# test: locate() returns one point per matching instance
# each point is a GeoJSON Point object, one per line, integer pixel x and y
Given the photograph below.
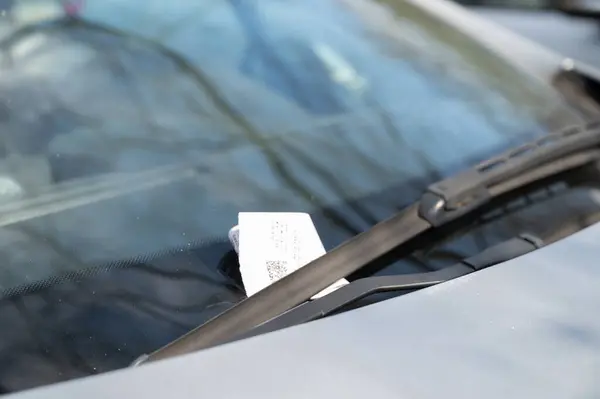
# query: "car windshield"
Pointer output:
{"type": "Point", "coordinates": [134, 131]}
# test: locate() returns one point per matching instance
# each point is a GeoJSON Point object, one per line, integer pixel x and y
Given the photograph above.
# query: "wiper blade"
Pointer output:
{"type": "Point", "coordinates": [443, 202]}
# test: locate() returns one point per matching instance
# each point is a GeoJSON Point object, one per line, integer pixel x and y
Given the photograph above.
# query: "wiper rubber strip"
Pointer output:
{"type": "Point", "coordinates": [443, 202]}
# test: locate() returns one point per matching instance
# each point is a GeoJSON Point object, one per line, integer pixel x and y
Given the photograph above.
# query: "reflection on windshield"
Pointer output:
{"type": "Point", "coordinates": [98, 95]}
{"type": "Point", "coordinates": [134, 131]}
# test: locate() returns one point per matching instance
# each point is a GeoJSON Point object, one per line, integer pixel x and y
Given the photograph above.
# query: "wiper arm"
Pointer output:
{"type": "Point", "coordinates": [443, 202]}
{"type": "Point", "coordinates": [365, 287]}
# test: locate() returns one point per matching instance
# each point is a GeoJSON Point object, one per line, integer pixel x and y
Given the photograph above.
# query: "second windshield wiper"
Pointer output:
{"type": "Point", "coordinates": [443, 202]}
{"type": "Point", "coordinates": [365, 287]}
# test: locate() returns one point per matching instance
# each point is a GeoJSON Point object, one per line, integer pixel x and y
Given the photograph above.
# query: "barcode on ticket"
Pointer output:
{"type": "Point", "coordinates": [276, 269]}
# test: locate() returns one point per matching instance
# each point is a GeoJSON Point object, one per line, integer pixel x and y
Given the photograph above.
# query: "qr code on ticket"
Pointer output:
{"type": "Point", "coordinates": [276, 269]}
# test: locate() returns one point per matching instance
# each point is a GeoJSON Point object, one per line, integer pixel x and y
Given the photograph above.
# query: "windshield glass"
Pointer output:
{"type": "Point", "coordinates": [134, 131]}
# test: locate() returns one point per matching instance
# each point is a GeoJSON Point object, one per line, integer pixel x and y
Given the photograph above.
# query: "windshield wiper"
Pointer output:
{"type": "Point", "coordinates": [364, 287]}
{"type": "Point", "coordinates": [442, 203]}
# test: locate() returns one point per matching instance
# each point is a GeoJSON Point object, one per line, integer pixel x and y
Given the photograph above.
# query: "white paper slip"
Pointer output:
{"type": "Point", "coordinates": [273, 245]}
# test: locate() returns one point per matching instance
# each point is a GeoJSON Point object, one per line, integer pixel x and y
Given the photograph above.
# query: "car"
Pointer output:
{"type": "Point", "coordinates": [421, 147]}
